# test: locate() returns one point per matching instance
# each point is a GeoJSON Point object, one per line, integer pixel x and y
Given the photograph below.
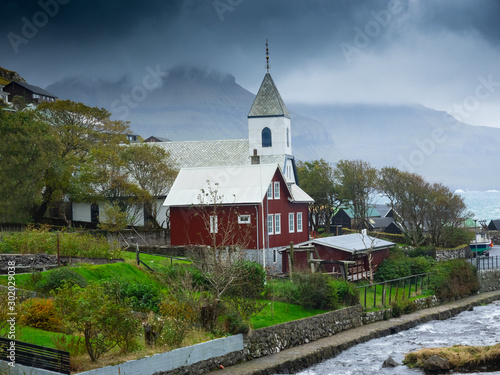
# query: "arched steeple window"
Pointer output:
{"type": "Point", "coordinates": [266, 137]}
{"type": "Point", "coordinates": [287, 137]}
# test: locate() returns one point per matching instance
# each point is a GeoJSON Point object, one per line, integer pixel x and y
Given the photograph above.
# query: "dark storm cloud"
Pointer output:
{"type": "Point", "coordinates": [425, 51]}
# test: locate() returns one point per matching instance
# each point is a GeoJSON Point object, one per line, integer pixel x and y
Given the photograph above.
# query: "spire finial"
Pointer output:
{"type": "Point", "coordinates": [267, 56]}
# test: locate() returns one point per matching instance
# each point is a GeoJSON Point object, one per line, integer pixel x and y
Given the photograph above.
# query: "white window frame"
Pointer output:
{"type": "Point", "coordinates": [277, 224]}
{"type": "Point", "coordinates": [291, 222]}
{"type": "Point", "coordinates": [213, 224]}
{"type": "Point", "coordinates": [270, 224]}
{"type": "Point", "coordinates": [244, 219]}
{"type": "Point", "coordinates": [270, 191]}
{"type": "Point", "coordinates": [299, 222]}
{"type": "Point", "coordinates": [276, 190]}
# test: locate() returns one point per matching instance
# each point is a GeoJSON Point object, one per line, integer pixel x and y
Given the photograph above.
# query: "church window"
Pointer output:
{"type": "Point", "coordinates": [266, 137]}
{"type": "Point", "coordinates": [287, 137]}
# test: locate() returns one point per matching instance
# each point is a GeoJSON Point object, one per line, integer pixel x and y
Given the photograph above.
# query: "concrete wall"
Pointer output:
{"type": "Point", "coordinates": [182, 357]}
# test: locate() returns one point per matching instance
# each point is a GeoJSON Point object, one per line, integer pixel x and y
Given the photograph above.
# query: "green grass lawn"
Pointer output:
{"type": "Point", "coordinates": [37, 336]}
{"type": "Point", "coordinates": [280, 312]}
{"type": "Point", "coordinates": [373, 301]}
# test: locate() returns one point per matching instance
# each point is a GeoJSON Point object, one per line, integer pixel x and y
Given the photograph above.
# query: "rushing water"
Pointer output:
{"type": "Point", "coordinates": [480, 326]}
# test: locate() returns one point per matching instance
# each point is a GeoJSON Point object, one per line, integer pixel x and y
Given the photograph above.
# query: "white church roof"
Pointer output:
{"type": "Point", "coordinates": [246, 184]}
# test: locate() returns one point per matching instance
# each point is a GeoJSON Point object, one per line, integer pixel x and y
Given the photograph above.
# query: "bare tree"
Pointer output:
{"type": "Point", "coordinates": [221, 262]}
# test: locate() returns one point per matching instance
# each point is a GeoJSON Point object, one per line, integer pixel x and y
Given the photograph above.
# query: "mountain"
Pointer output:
{"type": "Point", "coordinates": [193, 104]}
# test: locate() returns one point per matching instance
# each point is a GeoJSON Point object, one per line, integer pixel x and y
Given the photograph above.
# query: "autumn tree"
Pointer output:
{"type": "Point", "coordinates": [152, 169]}
{"type": "Point", "coordinates": [27, 150]}
{"type": "Point", "coordinates": [318, 180]}
{"type": "Point", "coordinates": [79, 131]}
{"type": "Point", "coordinates": [357, 181]}
{"type": "Point", "coordinates": [424, 211]}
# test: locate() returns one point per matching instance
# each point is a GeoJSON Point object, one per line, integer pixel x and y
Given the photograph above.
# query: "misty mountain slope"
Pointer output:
{"type": "Point", "coordinates": [194, 104]}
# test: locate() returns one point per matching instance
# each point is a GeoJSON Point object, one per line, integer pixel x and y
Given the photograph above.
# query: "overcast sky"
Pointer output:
{"type": "Point", "coordinates": [442, 54]}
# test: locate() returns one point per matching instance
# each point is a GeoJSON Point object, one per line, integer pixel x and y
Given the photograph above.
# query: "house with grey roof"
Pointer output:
{"type": "Point", "coordinates": [32, 94]}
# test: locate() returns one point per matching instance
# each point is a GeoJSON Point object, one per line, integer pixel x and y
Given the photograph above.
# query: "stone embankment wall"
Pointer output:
{"type": "Point", "coordinates": [270, 340]}
{"type": "Point", "coordinates": [489, 280]}
{"type": "Point", "coordinates": [43, 262]}
{"type": "Point", "coordinates": [142, 238]}
{"type": "Point", "coordinates": [459, 253]}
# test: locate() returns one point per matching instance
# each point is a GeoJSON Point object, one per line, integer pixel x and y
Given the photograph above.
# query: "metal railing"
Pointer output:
{"type": "Point", "coordinates": [385, 292]}
{"type": "Point", "coordinates": [485, 263]}
{"type": "Point", "coordinates": [34, 356]}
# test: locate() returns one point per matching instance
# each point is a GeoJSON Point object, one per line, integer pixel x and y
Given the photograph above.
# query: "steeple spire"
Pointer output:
{"type": "Point", "coordinates": [267, 56]}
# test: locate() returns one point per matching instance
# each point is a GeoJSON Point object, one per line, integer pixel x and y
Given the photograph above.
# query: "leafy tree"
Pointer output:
{"type": "Point", "coordinates": [27, 150]}
{"type": "Point", "coordinates": [151, 167]}
{"type": "Point", "coordinates": [19, 102]}
{"type": "Point", "coordinates": [408, 195]}
{"type": "Point", "coordinates": [80, 131]}
{"type": "Point", "coordinates": [422, 207]}
{"type": "Point", "coordinates": [317, 178]}
{"type": "Point", "coordinates": [446, 210]}
{"type": "Point", "coordinates": [357, 181]}
{"type": "Point", "coordinates": [103, 322]}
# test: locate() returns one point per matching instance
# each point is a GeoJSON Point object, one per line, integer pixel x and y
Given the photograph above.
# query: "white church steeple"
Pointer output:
{"type": "Point", "coordinates": [269, 127]}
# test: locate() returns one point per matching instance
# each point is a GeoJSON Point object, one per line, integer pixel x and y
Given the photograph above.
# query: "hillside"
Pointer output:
{"type": "Point", "coordinates": [7, 76]}
{"type": "Point", "coordinates": [194, 104]}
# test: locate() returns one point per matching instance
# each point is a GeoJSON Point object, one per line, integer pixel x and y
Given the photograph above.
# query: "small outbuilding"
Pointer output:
{"type": "Point", "coordinates": [494, 225]}
{"type": "Point", "coordinates": [331, 254]}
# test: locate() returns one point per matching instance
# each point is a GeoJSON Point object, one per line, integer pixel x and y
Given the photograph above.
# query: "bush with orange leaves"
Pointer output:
{"type": "Point", "coordinates": [41, 313]}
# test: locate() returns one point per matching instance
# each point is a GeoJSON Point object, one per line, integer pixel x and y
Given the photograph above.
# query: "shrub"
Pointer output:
{"type": "Point", "coordinates": [58, 277]}
{"type": "Point", "coordinates": [344, 293]}
{"type": "Point", "coordinates": [252, 281]}
{"type": "Point", "coordinates": [283, 290]}
{"type": "Point", "coordinates": [179, 316]}
{"type": "Point", "coordinates": [402, 266]}
{"type": "Point", "coordinates": [104, 323]}
{"type": "Point", "coordinates": [153, 327]}
{"type": "Point", "coordinates": [75, 345]}
{"type": "Point", "coordinates": [454, 279]}
{"type": "Point", "coordinates": [402, 306]}
{"type": "Point", "coordinates": [40, 313]}
{"type": "Point", "coordinates": [142, 296]}
{"type": "Point", "coordinates": [313, 290]}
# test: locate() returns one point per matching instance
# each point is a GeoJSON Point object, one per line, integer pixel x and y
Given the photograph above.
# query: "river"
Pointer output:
{"type": "Point", "coordinates": [480, 326]}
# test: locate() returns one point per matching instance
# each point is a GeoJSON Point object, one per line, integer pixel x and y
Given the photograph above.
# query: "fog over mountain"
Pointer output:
{"type": "Point", "coordinates": [194, 104]}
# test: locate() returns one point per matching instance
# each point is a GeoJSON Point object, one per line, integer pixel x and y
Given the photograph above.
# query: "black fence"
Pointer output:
{"type": "Point", "coordinates": [34, 356]}
{"type": "Point", "coordinates": [382, 294]}
{"type": "Point", "coordinates": [485, 263]}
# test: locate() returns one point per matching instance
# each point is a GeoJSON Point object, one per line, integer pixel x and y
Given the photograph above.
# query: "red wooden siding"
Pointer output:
{"type": "Point", "coordinates": [328, 253]}
{"type": "Point", "coordinates": [187, 225]}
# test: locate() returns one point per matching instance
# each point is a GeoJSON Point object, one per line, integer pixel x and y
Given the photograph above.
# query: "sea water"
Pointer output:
{"type": "Point", "coordinates": [485, 205]}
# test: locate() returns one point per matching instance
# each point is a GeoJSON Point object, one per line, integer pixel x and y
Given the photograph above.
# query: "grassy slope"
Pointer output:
{"type": "Point", "coordinates": [279, 312]}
